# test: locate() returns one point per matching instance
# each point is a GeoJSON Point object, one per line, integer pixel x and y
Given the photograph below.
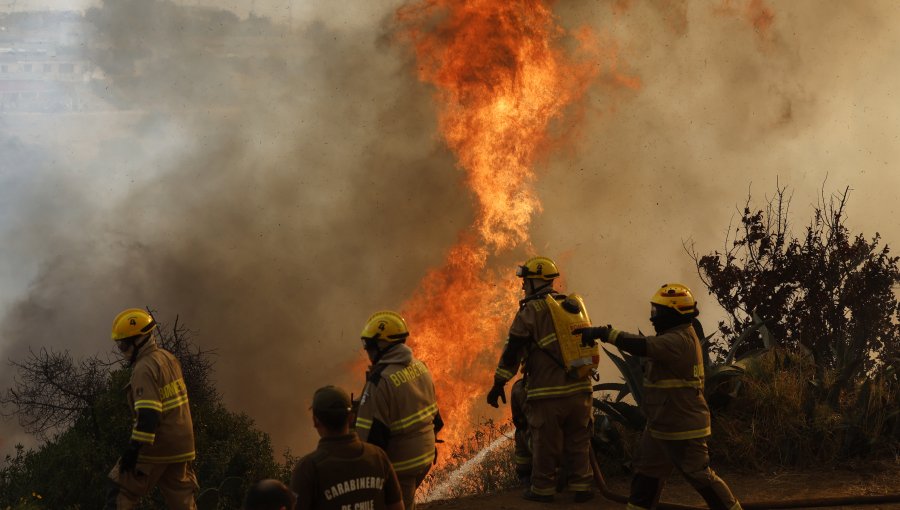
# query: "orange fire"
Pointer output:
{"type": "Point", "coordinates": [500, 79]}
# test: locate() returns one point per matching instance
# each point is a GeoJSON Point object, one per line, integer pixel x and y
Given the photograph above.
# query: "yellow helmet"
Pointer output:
{"type": "Point", "coordinates": [675, 296]}
{"type": "Point", "coordinates": [538, 267]}
{"type": "Point", "coordinates": [131, 323]}
{"type": "Point", "coordinates": [385, 325]}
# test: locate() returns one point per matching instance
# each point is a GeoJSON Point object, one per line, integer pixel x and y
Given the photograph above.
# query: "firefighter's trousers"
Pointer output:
{"type": "Point", "coordinates": [409, 482]}
{"type": "Point", "coordinates": [560, 429]}
{"type": "Point", "coordinates": [176, 482]}
{"type": "Point", "coordinates": [654, 460]}
{"type": "Point", "coordinates": [517, 404]}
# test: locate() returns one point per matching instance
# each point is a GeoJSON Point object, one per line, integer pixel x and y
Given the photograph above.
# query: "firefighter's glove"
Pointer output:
{"type": "Point", "coordinates": [495, 394]}
{"type": "Point", "coordinates": [128, 462]}
{"type": "Point", "coordinates": [589, 336]}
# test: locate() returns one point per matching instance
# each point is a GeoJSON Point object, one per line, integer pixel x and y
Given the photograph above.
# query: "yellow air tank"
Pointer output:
{"type": "Point", "coordinates": [568, 316]}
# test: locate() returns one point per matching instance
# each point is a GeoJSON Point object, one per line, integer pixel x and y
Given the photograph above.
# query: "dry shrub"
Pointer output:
{"type": "Point", "coordinates": [495, 470]}
{"type": "Point", "coordinates": [778, 418]}
{"type": "Point", "coordinates": [615, 455]}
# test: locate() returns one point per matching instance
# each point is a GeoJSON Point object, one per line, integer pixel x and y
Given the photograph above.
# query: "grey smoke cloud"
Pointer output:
{"type": "Point", "coordinates": [273, 184]}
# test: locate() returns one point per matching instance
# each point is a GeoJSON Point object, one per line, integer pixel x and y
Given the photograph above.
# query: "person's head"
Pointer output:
{"type": "Point", "coordinates": [672, 305]}
{"type": "Point", "coordinates": [331, 411]}
{"type": "Point", "coordinates": [383, 331]}
{"type": "Point", "coordinates": [131, 330]}
{"type": "Point", "coordinates": [537, 273]}
{"type": "Point", "coordinates": [269, 495]}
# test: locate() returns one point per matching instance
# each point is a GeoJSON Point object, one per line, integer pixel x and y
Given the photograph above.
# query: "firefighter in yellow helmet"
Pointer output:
{"type": "Point", "coordinates": [677, 415]}
{"type": "Point", "coordinates": [398, 409]}
{"type": "Point", "coordinates": [558, 409]}
{"type": "Point", "coordinates": [161, 447]}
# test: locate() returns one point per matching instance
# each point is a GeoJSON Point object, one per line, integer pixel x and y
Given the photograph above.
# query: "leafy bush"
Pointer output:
{"type": "Point", "coordinates": [830, 293]}
{"type": "Point", "coordinates": [829, 391]}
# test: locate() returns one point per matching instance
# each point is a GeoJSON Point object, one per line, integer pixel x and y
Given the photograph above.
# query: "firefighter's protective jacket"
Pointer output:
{"type": "Point", "coordinates": [673, 384]}
{"type": "Point", "coordinates": [398, 410]}
{"type": "Point", "coordinates": [532, 340]}
{"type": "Point", "coordinates": [158, 384]}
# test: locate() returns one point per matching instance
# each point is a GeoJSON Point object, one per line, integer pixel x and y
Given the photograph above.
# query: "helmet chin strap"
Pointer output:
{"type": "Point", "coordinates": [379, 353]}
{"type": "Point", "coordinates": [665, 319]}
{"type": "Point", "coordinates": [137, 348]}
{"type": "Point", "coordinates": [532, 286]}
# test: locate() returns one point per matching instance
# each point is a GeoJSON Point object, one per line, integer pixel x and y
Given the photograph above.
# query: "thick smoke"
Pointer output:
{"type": "Point", "coordinates": [274, 181]}
{"type": "Point", "coordinates": [271, 186]}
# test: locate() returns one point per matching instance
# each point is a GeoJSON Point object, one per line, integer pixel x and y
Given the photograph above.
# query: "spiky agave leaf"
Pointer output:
{"type": "Point", "coordinates": [628, 415]}
{"type": "Point", "coordinates": [764, 332]}
{"type": "Point", "coordinates": [756, 326]}
{"type": "Point", "coordinates": [629, 367]}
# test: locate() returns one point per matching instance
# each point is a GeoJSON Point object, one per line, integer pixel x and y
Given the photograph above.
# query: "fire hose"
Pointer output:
{"type": "Point", "coordinates": [755, 505]}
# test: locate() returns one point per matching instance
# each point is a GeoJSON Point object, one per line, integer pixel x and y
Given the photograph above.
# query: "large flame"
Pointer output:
{"type": "Point", "coordinates": [500, 78]}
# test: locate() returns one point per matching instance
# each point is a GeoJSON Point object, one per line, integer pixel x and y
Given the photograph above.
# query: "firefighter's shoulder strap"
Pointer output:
{"type": "Point", "coordinates": [374, 375]}
{"type": "Point", "coordinates": [547, 297]}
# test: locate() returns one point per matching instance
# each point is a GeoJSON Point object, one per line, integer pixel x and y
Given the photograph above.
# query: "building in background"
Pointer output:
{"type": "Point", "coordinates": [42, 68]}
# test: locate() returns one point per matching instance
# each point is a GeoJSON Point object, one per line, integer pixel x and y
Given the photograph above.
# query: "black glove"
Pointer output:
{"type": "Point", "coordinates": [496, 393]}
{"type": "Point", "coordinates": [129, 458]}
{"type": "Point", "coordinates": [589, 336]}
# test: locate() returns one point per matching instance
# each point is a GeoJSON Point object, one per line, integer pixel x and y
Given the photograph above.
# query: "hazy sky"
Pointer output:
{"type": "Point", "coordinates": [283, 10]}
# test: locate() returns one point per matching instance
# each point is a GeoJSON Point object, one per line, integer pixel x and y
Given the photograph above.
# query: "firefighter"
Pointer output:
{"type": "Point", "coordinates": [397, 409]}
{"type": "Point", "coordinates": [558, 401]}
{"type": "Point", "coordinates": [343, 472]}
{"type": "Point", "coordinates": [161, 447]}
{"type": "Point", "coordinates": [678, 420]}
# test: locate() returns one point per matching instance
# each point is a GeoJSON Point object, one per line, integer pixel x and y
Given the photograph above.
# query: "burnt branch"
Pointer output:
{"type": "Point", "coordinates": [52, 390]}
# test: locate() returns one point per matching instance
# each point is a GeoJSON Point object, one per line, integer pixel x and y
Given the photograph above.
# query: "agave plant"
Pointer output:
{"type": "Point", "coordinates": [616, 409]}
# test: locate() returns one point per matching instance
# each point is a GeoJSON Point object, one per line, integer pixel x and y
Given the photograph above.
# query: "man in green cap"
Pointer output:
{"type": "Point", "coordinates": [343, 472]}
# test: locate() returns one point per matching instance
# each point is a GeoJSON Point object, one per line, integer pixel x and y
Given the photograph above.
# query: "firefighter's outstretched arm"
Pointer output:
{"type": "Point", "coordinates": [632, 344]}
{"type": "Point", "coordinates": [507, 367]}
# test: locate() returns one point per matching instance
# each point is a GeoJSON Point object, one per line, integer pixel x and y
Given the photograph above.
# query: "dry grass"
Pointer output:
{"type": "Point", "coordinates": [777, 419]}
{"type": "Point", "coordinates": [495, 472]}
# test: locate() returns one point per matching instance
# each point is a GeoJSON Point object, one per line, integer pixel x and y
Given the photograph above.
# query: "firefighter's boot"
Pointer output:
{"type": "Point", "coordinates": [645, 492]}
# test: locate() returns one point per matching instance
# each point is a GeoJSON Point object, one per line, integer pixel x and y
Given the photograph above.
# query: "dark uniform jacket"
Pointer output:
{"type": "Point", "coordinates": [673, 385]}
{"type": "Point", "coordinates": [342, 473]}
{"type": "Point", "coordinates": [398, 410]}
{"type": "Point", "coordinates": [157, 384]}
{"type": "Point", "coordinates": [532, 339]}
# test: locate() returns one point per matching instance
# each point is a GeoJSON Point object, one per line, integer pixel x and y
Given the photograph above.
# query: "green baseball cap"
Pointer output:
{"type": "Point", "coordinates": [330, 399]}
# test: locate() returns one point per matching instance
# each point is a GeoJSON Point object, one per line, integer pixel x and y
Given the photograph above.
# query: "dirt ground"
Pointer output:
{"type": "Point", "coordinates": [747, 487]}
